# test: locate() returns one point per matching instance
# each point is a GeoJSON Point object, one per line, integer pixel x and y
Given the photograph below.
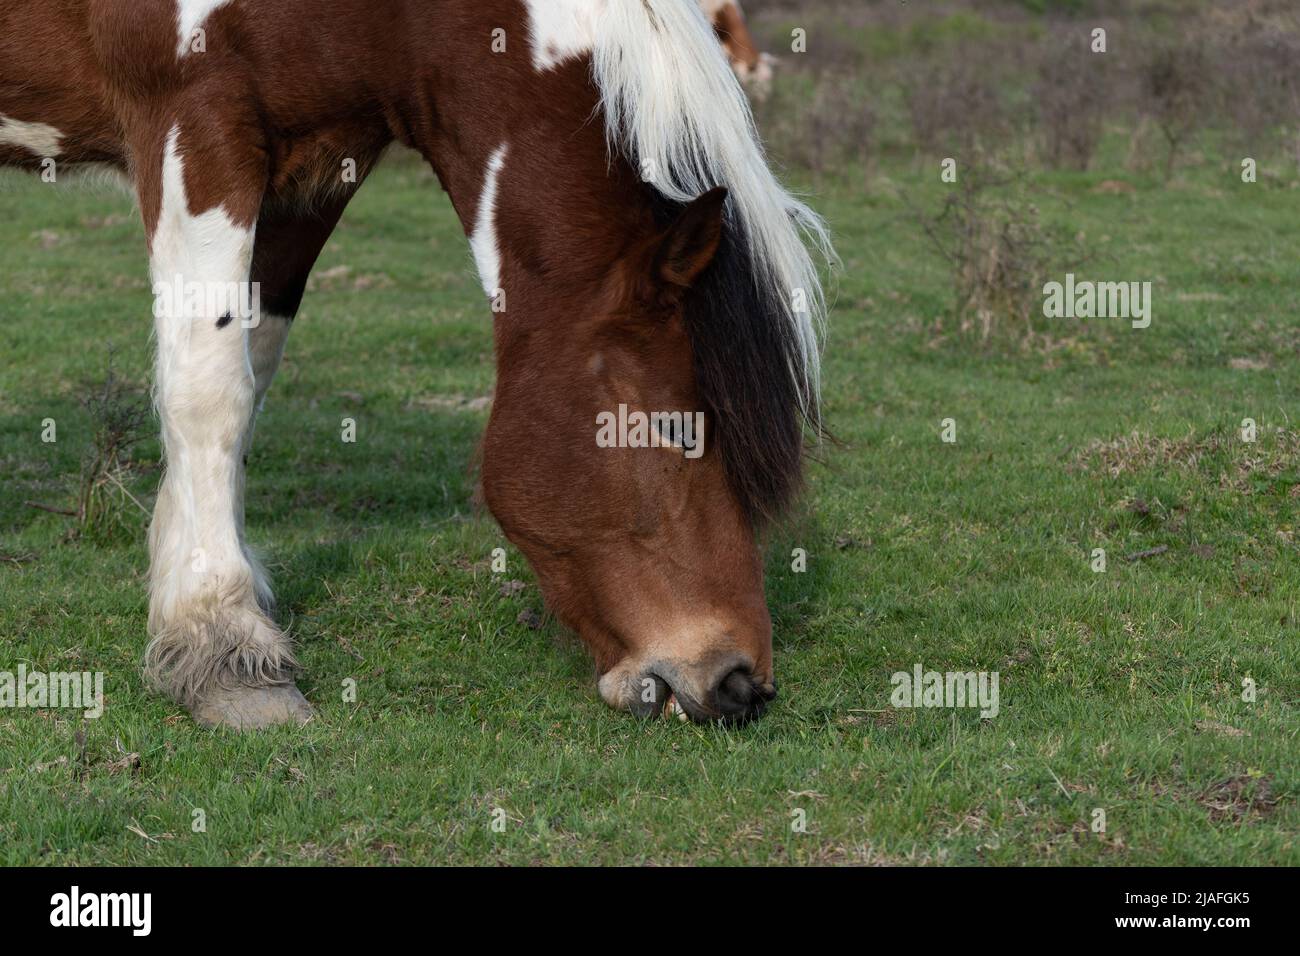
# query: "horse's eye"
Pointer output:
{"type": "Point", "coordinates": [670, 432]}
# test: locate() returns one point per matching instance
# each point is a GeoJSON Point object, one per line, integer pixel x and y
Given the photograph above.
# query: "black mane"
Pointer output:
{"type": "Point", "coordinates": [747, 370]}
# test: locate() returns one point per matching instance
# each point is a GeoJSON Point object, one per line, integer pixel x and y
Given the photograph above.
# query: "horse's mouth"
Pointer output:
{"type": "Point", "coordinates": [672, 708]}
{"type": "Point", "coordinates": [681, 705]}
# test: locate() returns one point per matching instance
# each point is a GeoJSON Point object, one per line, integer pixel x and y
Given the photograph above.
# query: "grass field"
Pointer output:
{"type": "Point", "coordinates": [1121, 691]}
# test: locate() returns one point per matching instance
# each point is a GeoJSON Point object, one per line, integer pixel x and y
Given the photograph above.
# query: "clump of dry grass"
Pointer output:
{"type": "Point", "coordinates": [1138, 451]}
{"type": "Point", "coordinates": [1275, 451]}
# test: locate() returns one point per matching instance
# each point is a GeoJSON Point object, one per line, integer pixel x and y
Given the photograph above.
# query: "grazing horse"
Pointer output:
{"type": "Point", "coordinates": [753, 69]}
{"type": "Point", "coordinates": [637, 252]}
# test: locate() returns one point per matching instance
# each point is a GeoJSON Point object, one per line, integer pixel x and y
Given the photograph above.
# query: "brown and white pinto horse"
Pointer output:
{"type": "Point", "coordinates": [752, 68]}
{"type": "Point", "coordinates": [636, 247]}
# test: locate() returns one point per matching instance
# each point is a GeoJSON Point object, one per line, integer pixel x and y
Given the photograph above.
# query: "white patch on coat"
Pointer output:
{"type": "Point", "coordinates": [40, 138]}
{"type": "Point", "coordinates": [204, 391]}
{"type": "Point", "coordinates": [190, 15]}
{"type": "Point", "coordinates": [483, 242]}
{"type": "Point", "coordinates": [560, 29]}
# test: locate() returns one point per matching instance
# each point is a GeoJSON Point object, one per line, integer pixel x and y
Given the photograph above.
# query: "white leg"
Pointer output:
{"type": "Point", "coordinates": [213, 647]}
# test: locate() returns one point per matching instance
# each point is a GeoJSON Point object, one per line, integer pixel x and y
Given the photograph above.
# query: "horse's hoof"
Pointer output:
{"type": "Point", "coordinates": [250, 708]}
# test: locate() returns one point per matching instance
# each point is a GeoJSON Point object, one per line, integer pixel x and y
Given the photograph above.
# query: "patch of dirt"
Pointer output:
{"type": "Point", "coordinates": [341, 277]}
{"type": "Point", "coordinates": [127, 763]}
{"type": "Point", "coordinates": [1112, 187]}
{"type": "Point", "coordinates": [1221, 730]}
{"type": "Point", "coordinates": [1080, 834]}
{"type": "Point", "coordinates": [388, 851]}
{"type": "Point", "coordinates": [61, 761]}
{"type": "Point", "coordinates": [878, 718]}
{"type": "Point", "coordinates": [460, 403]}
{"type": "Point", "coordinates": [83, 764]}
{"type": "Point", "coordinates": [315, 853]}
{"type": "Point", "coordinates": [104, 222]}
{"type": "Point", "coordinates": [409, 597]}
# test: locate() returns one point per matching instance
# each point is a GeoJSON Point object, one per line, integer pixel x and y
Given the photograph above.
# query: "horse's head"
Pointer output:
{"type": "Point", "coordinates": [611, 459]}
{"type": "Point", "coordinates": [753, 68]}
{"type": "Point", "coordinates": [656, 357]}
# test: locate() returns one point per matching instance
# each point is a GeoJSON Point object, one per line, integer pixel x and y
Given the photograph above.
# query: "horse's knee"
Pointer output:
{"type": "Point", "coordinates": [205, 404]}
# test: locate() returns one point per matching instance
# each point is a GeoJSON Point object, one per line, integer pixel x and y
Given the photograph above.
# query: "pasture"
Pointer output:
{"type": "Point", "coordinates": [1125, 690]}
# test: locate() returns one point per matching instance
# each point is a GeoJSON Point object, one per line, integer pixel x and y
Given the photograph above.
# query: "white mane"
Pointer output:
{"type": "Point", "coordinates": [675, 109]}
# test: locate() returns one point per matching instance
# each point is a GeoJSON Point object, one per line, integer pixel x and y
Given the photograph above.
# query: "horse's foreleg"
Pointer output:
{"type": "Point", "coordinates": [213, 647]}
{"type": "Point", "coordinates": [284, 252]}
{"type": "Point", "coordinates": [266, 338]}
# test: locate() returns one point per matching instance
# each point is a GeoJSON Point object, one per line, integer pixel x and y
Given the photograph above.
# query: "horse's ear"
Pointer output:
{"type": "Point", "coordinates": [687, 247]}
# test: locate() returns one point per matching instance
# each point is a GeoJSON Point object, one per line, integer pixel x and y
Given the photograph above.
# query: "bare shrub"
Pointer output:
{"type": "Point", "coordinates": [118, 413]}
{"type": "Point", "coordinates": [821, 124]}
{"type": "Point", "coordinates": [1260, 87]}
{"type": "Point", "coordinates": [105, 507]}
{"type": "Point", "coordinates": [997, 251]}
{"type": "Point", "coordinates": [954, 108]}
{"type": "Point", "coordinates": [1071, 98]}
{"type": "Point", "coordinates": [1175, 79]}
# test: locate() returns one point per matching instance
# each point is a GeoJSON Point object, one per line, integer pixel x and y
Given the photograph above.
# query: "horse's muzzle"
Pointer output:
{"type": "Point", "coordinates": [736, 696]}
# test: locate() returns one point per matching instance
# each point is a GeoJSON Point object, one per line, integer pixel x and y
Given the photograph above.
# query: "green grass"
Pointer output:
{"type": "Point", "coordinates": [1120, 690]}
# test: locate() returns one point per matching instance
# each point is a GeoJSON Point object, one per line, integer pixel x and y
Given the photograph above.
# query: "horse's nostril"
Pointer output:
{"type": "Point", "coordinates": [739, 698]}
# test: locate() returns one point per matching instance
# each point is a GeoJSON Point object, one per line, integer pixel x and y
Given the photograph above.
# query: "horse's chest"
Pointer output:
{"type": "Point", "coordinates": [311, 165]}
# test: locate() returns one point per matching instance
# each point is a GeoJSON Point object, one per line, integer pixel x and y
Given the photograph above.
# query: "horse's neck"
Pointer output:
{"type": "Point", "coordinates": [525, 162]}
